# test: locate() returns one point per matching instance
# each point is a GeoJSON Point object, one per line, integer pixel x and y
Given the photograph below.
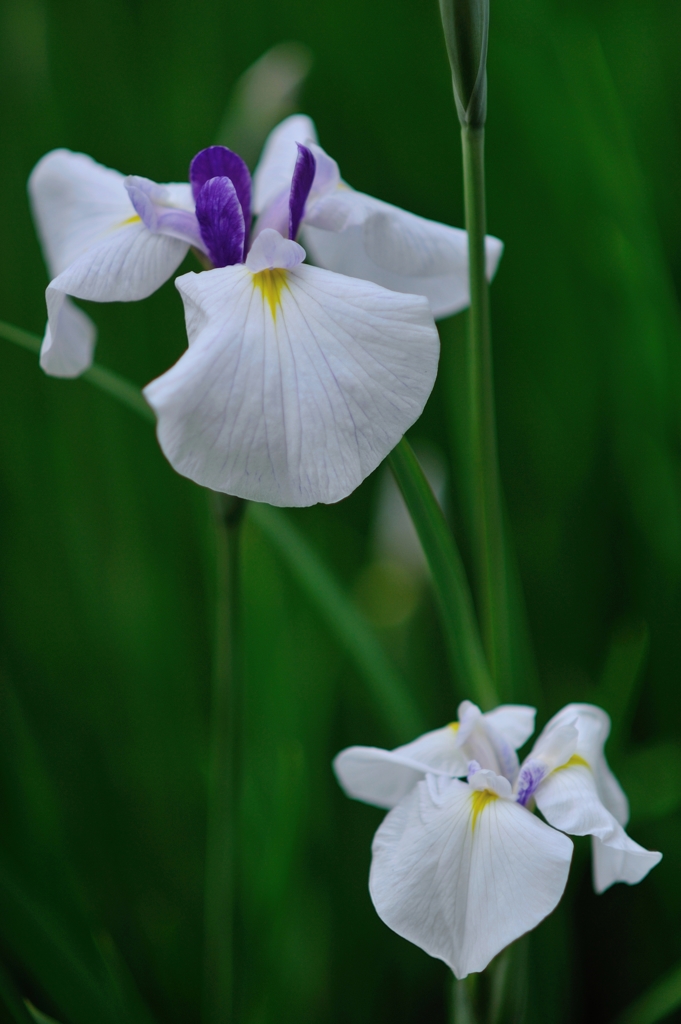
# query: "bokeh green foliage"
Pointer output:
{"type": "Point", "coordinates": [106, 556]}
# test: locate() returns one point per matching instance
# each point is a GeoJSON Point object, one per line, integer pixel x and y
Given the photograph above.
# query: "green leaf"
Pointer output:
{"type": "Point", "coordinates": [448, 576]}
{"type": "Point", "coordinates": [10, 998]}
{"type": "Point", "coordinates": [658, 1002]}
{"type": "Point", "coordinates": [37, 1015]}
{"type": "Point", "coordinates": [391, 694]}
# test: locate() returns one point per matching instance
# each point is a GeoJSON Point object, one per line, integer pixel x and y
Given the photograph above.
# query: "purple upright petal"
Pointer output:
{"type": "Point", "coordinates": [220, 162]}
{"type": "Point", "coordinates": [301, 183]}
{"type": "Point", "coordinates": [221, 219]}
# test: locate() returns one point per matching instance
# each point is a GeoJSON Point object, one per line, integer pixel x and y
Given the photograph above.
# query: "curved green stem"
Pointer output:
{"type": "Point", "coordinates": [448, 575]}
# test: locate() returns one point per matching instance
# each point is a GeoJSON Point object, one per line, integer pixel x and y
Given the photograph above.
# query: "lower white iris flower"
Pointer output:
{"type": "Point", "coordinates": [354, 234]}
{"type": "Point", "coordinates": [462, 868]}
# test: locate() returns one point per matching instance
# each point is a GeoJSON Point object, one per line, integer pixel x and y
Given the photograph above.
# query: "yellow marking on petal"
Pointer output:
{"type": "Point", "coordinates": [131, 220]}
{"type": "Point", "coordinates": [480, 799]}
{"type": "Point", "coordinates": [454, 726]}
{"type": "Point", "coordinates": [575, 760]}
{"type": "Point", "coordinates": [271, 283]}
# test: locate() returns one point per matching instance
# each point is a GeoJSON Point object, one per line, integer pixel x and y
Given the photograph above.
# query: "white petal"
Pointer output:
{"type": "Point", "coordinates": [130, 264]}
{"type": "Point", "coordinates": [360, 236]}
{"type": "Point", "coordinates": [515, 722]}
{"type": "Point", "coordinates": [439, 750]}
{"type": "Point", "coordinates": [619, 862]}
{"type": "Point", "coordinates": [383, 777]}
{"type": "Point", "coordinates": [569, 800]}
{"type": "Point", "coordinates": [75, 334]}
{"type": "Point", "coordinates": [270, 251]}
{"type": "Point", "coordinates": [378, 777]}
{"type": "Point", "coordinates": [593, 728]}
{"type": "Point", "coordinates": [296, 401]}
{"type": "Point", "coordinates": [278, 159]}
{"type": "Point", "coordinates": [460, 892]}
{"type": "Point", "coordinates": [483, 742]}
{"type": "Point", "coordinates": [76, 203]}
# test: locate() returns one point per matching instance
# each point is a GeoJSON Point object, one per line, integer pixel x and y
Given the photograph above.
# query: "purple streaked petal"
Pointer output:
{"type": "Point", "coordinates": [531, 774]}
{"type": "Point", "coordinates": [142, 201]}
{"type": "Point", "coordinates": [221, 220]}
{"type": "Point", "coordinates": [179, 224]}
{"type": "Point", "coordinates": [473, 767]}
{"type": "Point", "coordinates": [220, 162]}
{"type": "Point", "coordinates": [301, 183]}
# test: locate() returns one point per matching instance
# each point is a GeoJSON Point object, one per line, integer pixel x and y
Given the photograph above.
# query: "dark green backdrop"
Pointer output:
{"type": "Point", "coordinates": [106, 573]}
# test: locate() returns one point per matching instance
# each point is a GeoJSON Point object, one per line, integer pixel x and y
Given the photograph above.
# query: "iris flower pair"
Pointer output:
{"type": "Point", "coordinates": [461, 865]}
{"type": "Point", "coordinates": [298, 380]}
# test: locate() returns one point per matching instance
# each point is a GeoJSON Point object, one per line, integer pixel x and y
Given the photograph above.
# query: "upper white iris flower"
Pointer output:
{"type": "Point", "coordinates": [355, 234]}
{"type": "Point", "coordinates": [462, 868]}
{"type": "Point", "coordinates": [297, 381]}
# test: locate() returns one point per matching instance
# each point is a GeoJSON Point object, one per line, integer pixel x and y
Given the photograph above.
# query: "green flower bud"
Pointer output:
{"type": "Point", "coordinates": [466, 27]}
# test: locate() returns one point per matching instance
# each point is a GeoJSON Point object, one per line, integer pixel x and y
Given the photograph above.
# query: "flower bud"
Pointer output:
{"type": "Point", "coordinates": [466, 26]}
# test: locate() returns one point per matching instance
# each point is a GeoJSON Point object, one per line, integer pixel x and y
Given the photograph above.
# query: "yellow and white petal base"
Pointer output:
{"type": "Point", "coordinates": [462, 871]}
{"type": "Point", "coordinates": [297, 382]}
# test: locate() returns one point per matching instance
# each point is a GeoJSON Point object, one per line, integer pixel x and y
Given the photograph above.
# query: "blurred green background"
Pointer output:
{"type": "Point", "coordinates": [107, 557]}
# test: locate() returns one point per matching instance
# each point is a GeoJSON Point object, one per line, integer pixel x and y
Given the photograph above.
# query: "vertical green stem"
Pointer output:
{"type": "Point", "coordinates": [487, 519]}
{"type": "Point", "coordinates": [223, 781]}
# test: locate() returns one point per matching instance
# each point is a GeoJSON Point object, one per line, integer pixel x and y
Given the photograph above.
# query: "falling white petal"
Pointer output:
{"type": "Point", "coordinates": [96, 247]}
{"type": "Point", "coordinates": [130, 264]}
{"type": "Point", "coordinates": [296, 383]}
{"type": "Point", "coordinates": [569, 800]}
{"type": "Point", "coordinates": [462, 872]}
{"type": "Point", "coordinates": [275, 167]}
{"type": "Point", "coordinates": [360, 236]}
{"type": "Point", "coordinates": [71, 353]}
{"type": "Point", "coordinates": [620, 861]}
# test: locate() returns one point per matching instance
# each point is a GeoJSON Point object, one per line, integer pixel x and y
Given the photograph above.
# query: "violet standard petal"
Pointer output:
{"type": "Point", "coordinates": [301, 183]}
{"type": "Point", "coordinates": [221, 220]}
{"type": "Point", "coordinates": [220, 162]}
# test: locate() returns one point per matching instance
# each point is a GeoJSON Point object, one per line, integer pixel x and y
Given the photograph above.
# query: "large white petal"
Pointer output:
{"type": "Point", "coordinates": [297, 401]}
{"type": "Point", "coordinates": [129, 264]}
{"type": "Point", "coordinates": [360, 236]}
{"type": "Point", "coordinates": [463, 885]}
{"type": "Point", "coordinates": [76, 203]}
{"type": "Point", "coordinates": [275, 168]}
{"type": "Point", "coordinates": [593, 728]}
{"type": "Point", "coordinates": [569, 800]}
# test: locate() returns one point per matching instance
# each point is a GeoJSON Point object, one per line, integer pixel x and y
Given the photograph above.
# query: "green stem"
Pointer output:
{"type": "Point", "coordinates": [106, 380]}
{"type": "Point", "coordinates": [448, 576]}
{"type": "Point", "coordinates": [488, 546]}
{"type": "Point", "coordinates": [219, 1006]}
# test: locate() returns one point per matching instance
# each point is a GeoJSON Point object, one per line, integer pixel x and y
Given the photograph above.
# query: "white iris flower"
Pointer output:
{"type": "Point", "coordinates": [354, 234]}
{"type": "Point", "coordinates": [297, 381]}
{"type": "Point", "coordinates": [462, 868]}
